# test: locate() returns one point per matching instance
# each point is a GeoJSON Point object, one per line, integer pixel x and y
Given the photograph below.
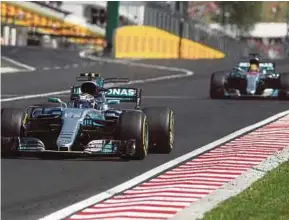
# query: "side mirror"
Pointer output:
{"type": "Point", "coordinates": [54, 100]}
{"type": "Point", "coordinates": [113, 101]}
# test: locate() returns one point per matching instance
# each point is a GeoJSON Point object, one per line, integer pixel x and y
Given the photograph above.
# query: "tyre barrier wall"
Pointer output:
{"type": "Point", "coordinates": [153, 43]}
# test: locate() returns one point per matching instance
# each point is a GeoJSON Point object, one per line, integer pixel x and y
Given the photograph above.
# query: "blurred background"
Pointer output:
{"type": "Point", "coordinates": [232, 28]}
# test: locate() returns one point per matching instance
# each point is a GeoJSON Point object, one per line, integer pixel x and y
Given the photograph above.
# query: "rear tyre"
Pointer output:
{"type": "Point", "coordinates": [284, 86]}
{"type": "Point", "coordinates": [217, 85]}
{"type": "Point", "coordinates": [11, 127]}
{"type": "Point", "coordinates": [133, 125]}
{"type": "Point", "coordinates": [161, 129]}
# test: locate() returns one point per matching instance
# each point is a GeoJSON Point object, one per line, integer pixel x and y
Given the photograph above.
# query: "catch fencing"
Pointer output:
{"type": "Point", "coordinates": [195, 30]}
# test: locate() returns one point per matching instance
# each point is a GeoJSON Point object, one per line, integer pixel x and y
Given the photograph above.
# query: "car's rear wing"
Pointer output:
{"type": "Point", "coordinates": [88, 76]}
{"type": "Point", "coordinates": [261, 64]}
{"type": "Point", "coordinates": [96, 76]}
{"type": "Point", "coordinates": [121, 94]}
{"type": "Point", "coordinates": [124, 94]}
{"type": "Point", "coordinates": [254, 55]}
{"type": "Point", "coordinates": [116, 80]}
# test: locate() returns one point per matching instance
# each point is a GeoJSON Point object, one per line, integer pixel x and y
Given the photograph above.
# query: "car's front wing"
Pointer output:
{"type": "Point", "coordinates": [117, 148]}
{"type": "Point", "coordinates": [268, 94]}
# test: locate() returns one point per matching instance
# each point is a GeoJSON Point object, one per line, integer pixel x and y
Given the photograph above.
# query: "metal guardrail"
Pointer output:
{"type": "Point", "coordinates": [194, 30]}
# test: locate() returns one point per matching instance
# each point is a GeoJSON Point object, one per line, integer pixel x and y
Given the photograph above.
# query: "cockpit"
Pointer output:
{"type": "Point", "coordinates": [85, 100]}
{"type": "Point", "coordinates": [88, 95]}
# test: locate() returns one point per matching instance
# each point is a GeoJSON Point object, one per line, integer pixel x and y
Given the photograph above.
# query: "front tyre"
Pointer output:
{"type": "Point", "coordinates": [11, 127]}
{"type": "Point", "coordinates": [11, 122]}
{"type": "Point", "coordinates": [133, 125]}
{"type": "Point", "coordinates": [217, 85]}
{"type": "Point", "coordinates": [283, 86]}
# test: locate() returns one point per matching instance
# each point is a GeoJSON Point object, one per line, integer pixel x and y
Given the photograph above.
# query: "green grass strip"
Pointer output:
{"type": "Point", "coordinates": [266, 199]}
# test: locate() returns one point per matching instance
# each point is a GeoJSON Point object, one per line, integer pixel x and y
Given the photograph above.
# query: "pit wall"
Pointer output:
{"type": "Point", "coordinates": [152, 43]}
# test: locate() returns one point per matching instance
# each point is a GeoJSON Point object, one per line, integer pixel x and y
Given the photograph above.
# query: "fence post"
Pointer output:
{"type": "Point", "coordinates": [181, 30]}
{"type": "Point", "coordinates": [112, 23]}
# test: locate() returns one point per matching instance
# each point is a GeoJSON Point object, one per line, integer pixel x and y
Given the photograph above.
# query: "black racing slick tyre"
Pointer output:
{"type": "Point", "coordinates": [217, 85]}
{"type": "Point", "coordinates": [284, 86]}
{"type": "Point", "coordinates": [161, 129]}
{"type": "Point", "coordinates": [133, 125]}
{"type": "Point", "coordinates": [11, 122]}
{"type": "Point", "coordinates": [11, 127]}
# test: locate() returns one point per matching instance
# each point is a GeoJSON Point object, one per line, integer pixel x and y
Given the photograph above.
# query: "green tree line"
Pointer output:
{"type": "Point", "coordinates": [242, 14]}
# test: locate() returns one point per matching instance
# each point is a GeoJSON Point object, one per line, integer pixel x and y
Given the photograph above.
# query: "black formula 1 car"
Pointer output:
{"type": "Point", "coordinates": [250, 79]}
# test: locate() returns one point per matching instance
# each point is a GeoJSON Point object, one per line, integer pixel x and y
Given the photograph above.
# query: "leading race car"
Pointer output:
{"type": "Point", "coordinates": [250, 79]}
{"type": "Point", "coordinates": [88, 125]}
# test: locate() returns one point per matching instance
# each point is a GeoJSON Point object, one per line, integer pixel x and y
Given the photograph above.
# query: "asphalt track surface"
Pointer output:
{"type": "Point", "coordinates": [32, 188]}
{"type": "Point", "coordinates": [39, 57]}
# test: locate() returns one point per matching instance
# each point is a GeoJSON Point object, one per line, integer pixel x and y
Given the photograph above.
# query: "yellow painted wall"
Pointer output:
{"type": "Point", "coordinates": [153, 43]}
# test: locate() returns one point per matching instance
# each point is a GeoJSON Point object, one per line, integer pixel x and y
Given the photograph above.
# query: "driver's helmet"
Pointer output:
{"type": "Point", "coordinates": [253, 68]}
{"type": "Point", "coordinates": [254, 63]}
{"type": "Point", "coordinates": [86, 101]}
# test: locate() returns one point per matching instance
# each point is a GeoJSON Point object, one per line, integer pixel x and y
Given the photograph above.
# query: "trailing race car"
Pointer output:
{"type": "Point", "coordinates": [88, 125]}
{"type": "Point", "coordinates": [250, 79]}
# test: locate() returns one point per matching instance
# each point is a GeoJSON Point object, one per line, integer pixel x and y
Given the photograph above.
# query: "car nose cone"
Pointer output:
{"type": "Point", "coordinates": [250, 92]}
{"type": "Point", "coordinates": [251, 84]}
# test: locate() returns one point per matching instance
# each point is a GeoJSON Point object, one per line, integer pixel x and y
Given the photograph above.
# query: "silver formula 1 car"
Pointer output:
{"type": "Point", "coordinates": [88, 125]}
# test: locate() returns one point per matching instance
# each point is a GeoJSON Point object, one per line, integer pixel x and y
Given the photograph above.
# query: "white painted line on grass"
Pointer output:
{"type": "Point", "coordinates": [181, 73]}
{"type": "Point", "coordinates": [155, 171]}
{"type": "Point", "coordinates": [200, 207]}
{"type": "Point", "coordinates": [30, 68]}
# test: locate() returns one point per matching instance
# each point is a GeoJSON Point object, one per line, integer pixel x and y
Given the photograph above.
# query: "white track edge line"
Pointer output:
{"type": "Point", "coordinates": [199, 208]}
{"type": "Point", "coordinates": [65, 212]}
{"type": "Point", "coordinates": [133, 63]}
{"type": "Point", "coordinates": [30, 68]}
{"type": "Point", "coordinates": [5, 70]}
